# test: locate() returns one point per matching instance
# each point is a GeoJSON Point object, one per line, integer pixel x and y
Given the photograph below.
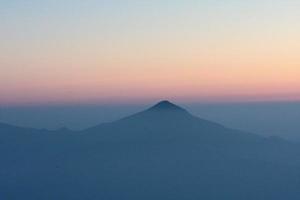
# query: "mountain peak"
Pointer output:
{"type": "Point", "coordinates": [167, 106]}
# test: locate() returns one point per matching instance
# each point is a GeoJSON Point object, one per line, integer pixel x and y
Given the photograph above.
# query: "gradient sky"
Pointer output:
{"type": "Point", "coordinates": [74, 51]}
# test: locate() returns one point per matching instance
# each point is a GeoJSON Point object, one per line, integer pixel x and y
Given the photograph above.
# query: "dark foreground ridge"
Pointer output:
{"type": "Point", "coordinates": [163, 152]}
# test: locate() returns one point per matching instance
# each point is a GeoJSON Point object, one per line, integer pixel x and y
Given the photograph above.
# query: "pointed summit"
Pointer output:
{"type": "Point", "coordinates": [166, 106]}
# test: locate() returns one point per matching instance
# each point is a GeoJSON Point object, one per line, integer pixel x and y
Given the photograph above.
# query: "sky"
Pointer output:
{"type": "Point", "coordinates": [93, 51]}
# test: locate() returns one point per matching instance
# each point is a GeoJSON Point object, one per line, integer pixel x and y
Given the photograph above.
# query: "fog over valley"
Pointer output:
{"type": "Point", "coordinates": [265, 118]}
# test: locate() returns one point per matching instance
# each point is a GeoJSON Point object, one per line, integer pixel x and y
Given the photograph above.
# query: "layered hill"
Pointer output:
{"type": "Point", "coordinates": [163, 152]}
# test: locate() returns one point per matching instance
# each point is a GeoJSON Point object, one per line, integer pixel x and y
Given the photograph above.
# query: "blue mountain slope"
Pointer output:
{"type": "Point", "coordinates": [163, 152]}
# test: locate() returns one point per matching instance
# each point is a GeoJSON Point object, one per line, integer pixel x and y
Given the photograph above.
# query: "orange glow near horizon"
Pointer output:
{"type": "Point", "coordinates": [184, 85]}
{"type": "Point", "coordinates": [244, 52]}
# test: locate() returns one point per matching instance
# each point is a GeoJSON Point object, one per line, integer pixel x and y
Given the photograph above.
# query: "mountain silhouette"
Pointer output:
{"type": "Point", "coordinates": [163, 152]}
{"type": "Point", "coordinates": [167, 121]}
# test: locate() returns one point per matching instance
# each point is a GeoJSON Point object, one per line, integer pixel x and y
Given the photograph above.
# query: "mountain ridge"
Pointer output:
{"type": "Point", "coordinates": [159, 153]}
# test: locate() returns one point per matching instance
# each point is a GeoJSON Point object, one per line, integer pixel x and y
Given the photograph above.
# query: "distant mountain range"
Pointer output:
{"type": "Point", "coordinates": [163, 153]}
